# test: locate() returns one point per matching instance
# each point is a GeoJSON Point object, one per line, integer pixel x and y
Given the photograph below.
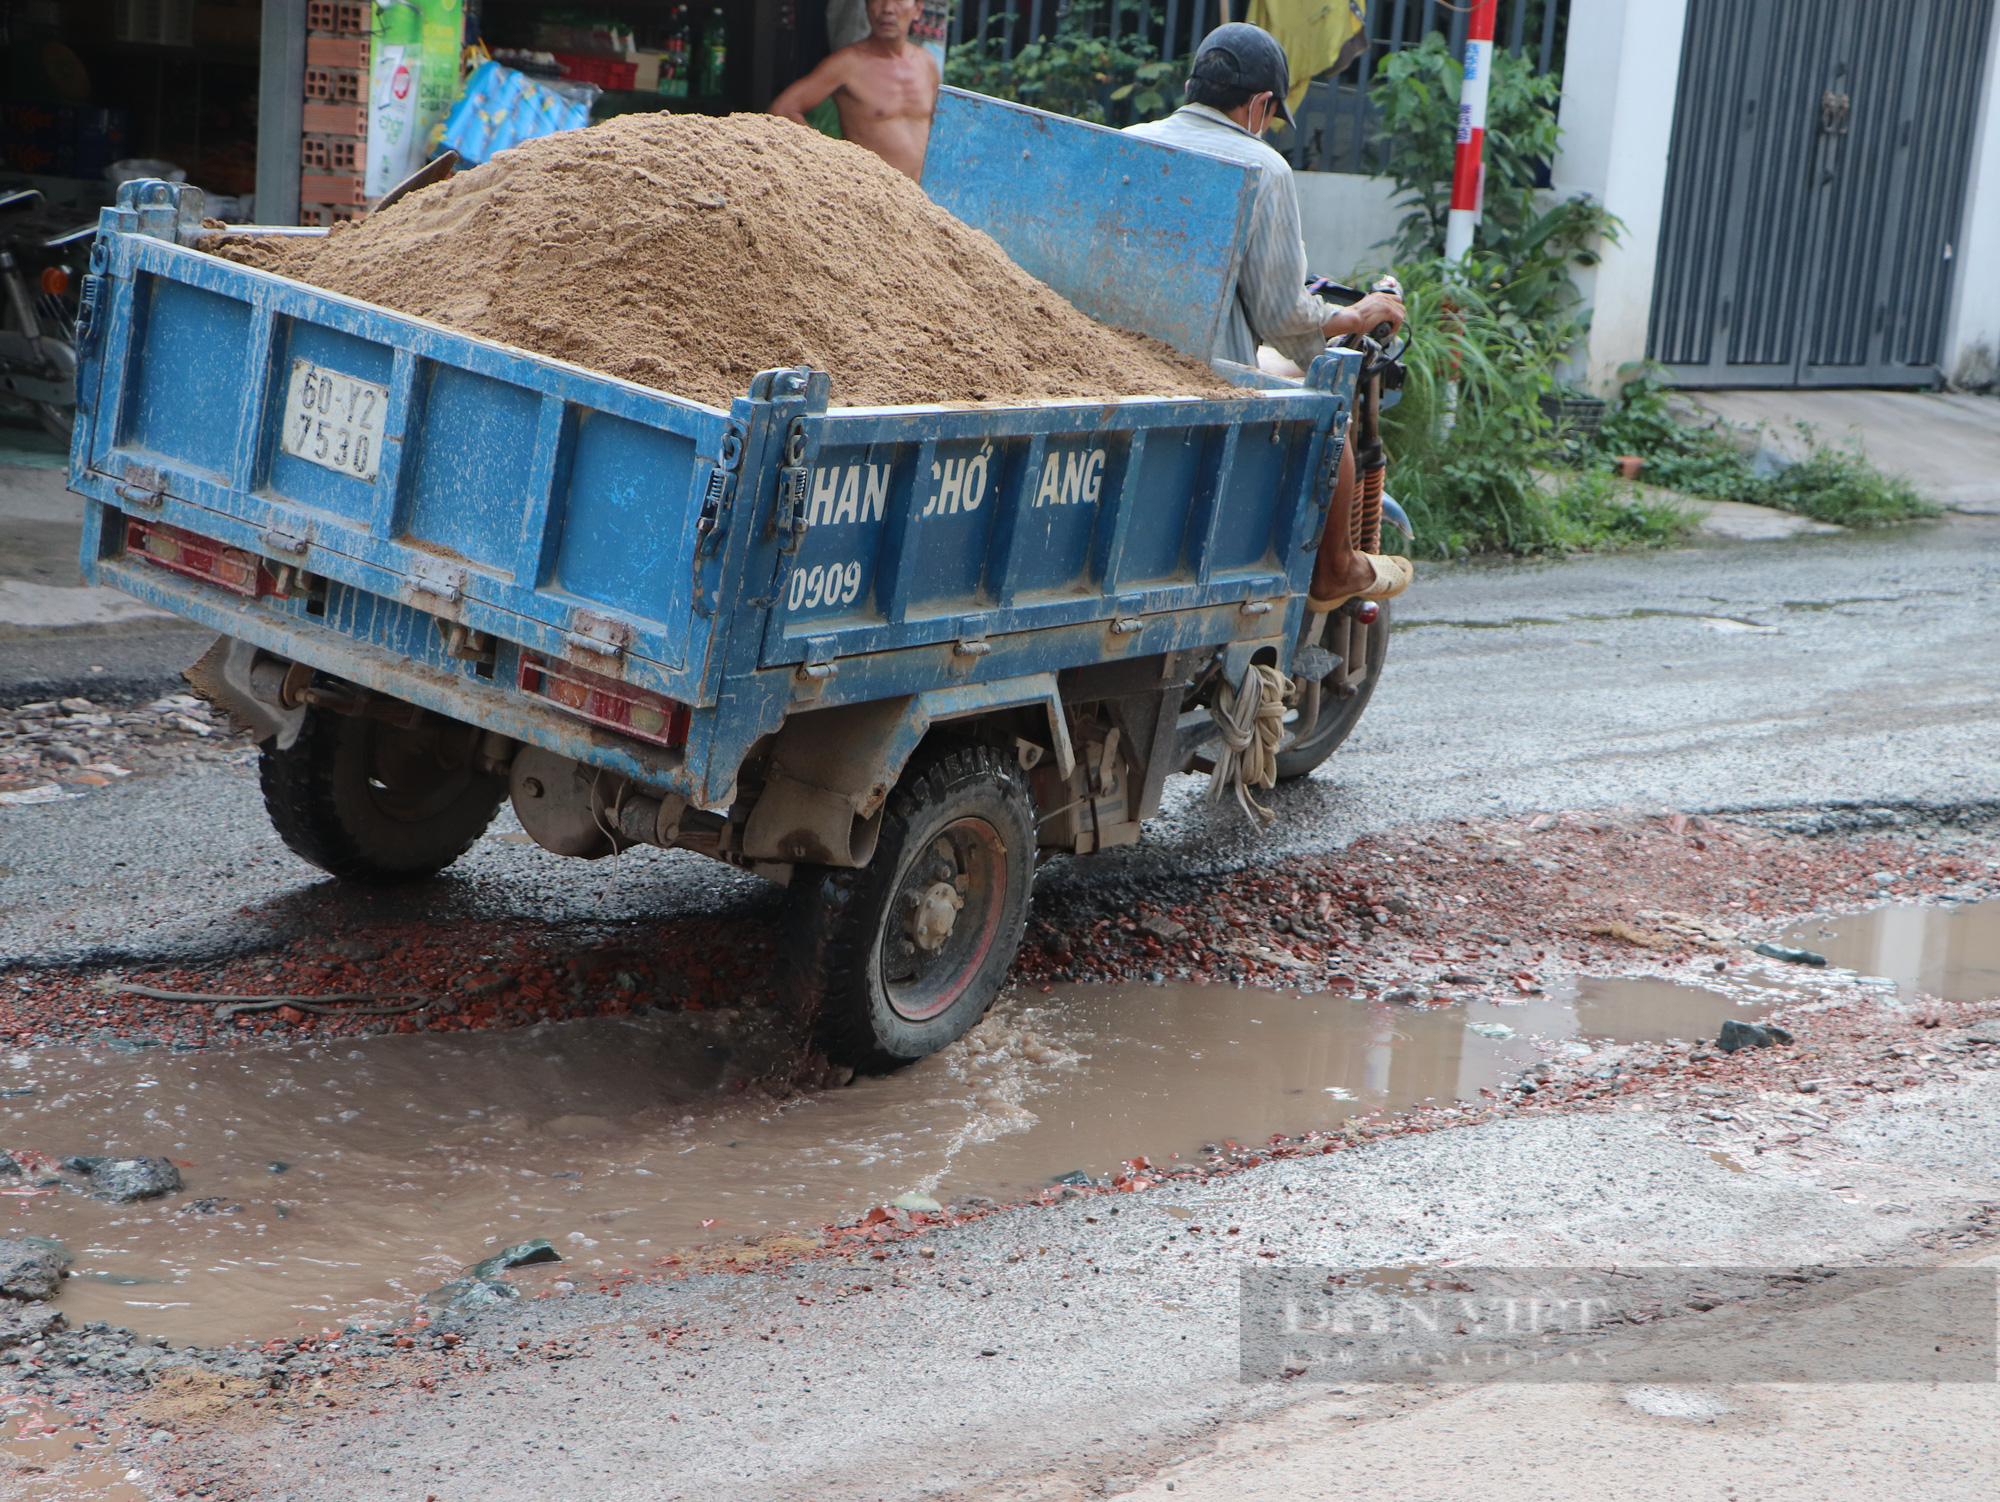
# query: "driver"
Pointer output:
{"type": "Point", "coordinates": [1235, 90]}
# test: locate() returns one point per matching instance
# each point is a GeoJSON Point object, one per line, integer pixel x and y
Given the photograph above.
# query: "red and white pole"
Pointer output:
{"type": "Point", "coordinates": [1468, 178]}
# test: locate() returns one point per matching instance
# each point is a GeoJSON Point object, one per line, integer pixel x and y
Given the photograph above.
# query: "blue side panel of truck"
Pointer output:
{"type": "Point", "coordinates": [784, 555]}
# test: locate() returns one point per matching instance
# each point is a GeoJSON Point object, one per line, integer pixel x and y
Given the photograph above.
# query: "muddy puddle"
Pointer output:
{"type": "Point", "coordinates": [1950, 952]}
{"type": "Point", "coordinates": [328, 1182]}
{"type": "Point", "coordinates": [49, 1455]}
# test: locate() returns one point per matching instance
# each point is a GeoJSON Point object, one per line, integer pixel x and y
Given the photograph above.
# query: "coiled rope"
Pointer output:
{"type": "Point", "coordinates": [1251, 718]}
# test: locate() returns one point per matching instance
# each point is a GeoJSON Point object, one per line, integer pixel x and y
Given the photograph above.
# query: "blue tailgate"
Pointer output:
{"type": "Point", "coordinates": [516, 495]}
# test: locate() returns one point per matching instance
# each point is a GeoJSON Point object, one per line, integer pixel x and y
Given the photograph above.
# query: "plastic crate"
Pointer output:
{"type": "Point", "coordinates": [337, 154]}
{"type": "Point", "coordinates": [605, 72]}
{"type": "Point", "coordinates": [1581, 415]}
{"type": "Point", "coordinates": [337, 85]}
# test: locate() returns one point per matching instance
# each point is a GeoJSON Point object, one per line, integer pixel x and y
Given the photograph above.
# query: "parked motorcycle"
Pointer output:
{"type": "Point", "coordinates": [41, 272]}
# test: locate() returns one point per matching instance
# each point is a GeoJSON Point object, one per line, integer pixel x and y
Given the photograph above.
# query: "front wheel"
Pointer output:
{"type": "Point", "coordinates": [891, 962]}
{"type": "Point", "coordinates": [377, 803]}
{"type": "Point", "coordinates": [1338, 716]}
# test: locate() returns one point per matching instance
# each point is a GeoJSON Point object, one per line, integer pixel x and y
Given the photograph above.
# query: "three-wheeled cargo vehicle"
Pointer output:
{"type": "Point", "coordinates": [888, 656]}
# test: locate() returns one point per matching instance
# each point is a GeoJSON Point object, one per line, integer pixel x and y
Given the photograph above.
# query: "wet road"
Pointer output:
{"type": "Point", "coordinates": [329, 1181]}
{"type": "Point", "coordinates": [1855, 669]}
{"type": "Point", "coordinates": [1836, 670]}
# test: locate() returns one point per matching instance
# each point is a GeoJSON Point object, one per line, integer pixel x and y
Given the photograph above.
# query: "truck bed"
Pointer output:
{"type": "Point", "coordinates": [568, 559]}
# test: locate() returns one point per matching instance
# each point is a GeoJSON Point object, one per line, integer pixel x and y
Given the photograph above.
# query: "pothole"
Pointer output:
{"type": "Point", "coordinates": [336, 1180]}
{"type": "Point", "coordinates": [1951, 952]}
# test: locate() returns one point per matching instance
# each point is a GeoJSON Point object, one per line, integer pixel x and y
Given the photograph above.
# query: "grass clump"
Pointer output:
{"type": "Point", "coordinates": [1835, 484]}
{"type": "Point", "coordinates": [1840, 485]}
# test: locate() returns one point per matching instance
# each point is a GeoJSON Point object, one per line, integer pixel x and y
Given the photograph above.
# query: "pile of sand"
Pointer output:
{"type": "Point", "coordinates": [688, 253]}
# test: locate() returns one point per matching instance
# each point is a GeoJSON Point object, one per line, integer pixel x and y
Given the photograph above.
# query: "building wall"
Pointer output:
{"type": "Point", "coordinates": [1972, 337]}
{"type": "Point", "coordinates": [1621, 76]}
{"type": "Point", "coordinates": [1344, 217]}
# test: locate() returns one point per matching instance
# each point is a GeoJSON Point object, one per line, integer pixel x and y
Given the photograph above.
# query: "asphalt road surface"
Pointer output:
{"type": "Point", "coordinates": [1848, 669]}
{"type": "Point", "coordinates": [1089, 1348]}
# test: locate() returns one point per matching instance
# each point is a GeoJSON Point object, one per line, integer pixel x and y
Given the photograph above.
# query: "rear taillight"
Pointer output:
{"type": "Point", "coordinates": [605, 701]}
{"type": "Point", "coordinates": [200, 558]}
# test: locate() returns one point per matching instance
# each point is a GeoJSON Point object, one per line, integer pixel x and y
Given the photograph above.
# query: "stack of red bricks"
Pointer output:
{"type": "Point", "coordinates": [333, 154]}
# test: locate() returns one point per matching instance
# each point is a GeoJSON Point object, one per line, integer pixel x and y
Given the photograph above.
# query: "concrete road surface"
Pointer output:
{"type": "Point", "coordinates": [1947, 444]}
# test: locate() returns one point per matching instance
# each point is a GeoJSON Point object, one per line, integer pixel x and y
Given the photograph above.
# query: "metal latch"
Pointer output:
{"type": "Point", "coordinates": [432, 576]}
{"type": "Point", "coordinates": [466, 644]}
{"type": "Point", "coordinates": [714, 502]}
{"type": "Point", "coordinates": [284, 542]}
{"type": "Point", "coordinates": [597, 634]}
{"type": "Point", "coordinates": [1255, 607]}
{"type": "Point", "coordinates": [788, 517]}
{"type": "Point", "coordinates": [1128, 626]}
{"type": "Point", "coordinates": [144, 487]}
{"type": "Point", "coordinates": [819, 666]}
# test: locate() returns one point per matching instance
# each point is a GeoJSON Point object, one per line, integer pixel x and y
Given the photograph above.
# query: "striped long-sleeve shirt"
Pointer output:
{"type": "Point", "coordinates": [1272, 305]}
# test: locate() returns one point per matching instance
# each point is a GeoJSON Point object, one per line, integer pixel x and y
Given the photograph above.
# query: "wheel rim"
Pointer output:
{"type": "Point", "coordinates": [413, 774]}
{"type": "Point", "coordinates": [943, 918]}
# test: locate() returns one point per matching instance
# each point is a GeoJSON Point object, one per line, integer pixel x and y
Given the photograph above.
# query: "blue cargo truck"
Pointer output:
{"type": "Point", "coordinates": [887, 656]}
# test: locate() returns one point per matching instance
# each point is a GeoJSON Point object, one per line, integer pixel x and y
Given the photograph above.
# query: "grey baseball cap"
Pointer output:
{"type": "Point", "coordinates": [1243, 56]}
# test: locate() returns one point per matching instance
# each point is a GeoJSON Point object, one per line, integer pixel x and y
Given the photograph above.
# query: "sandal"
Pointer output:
{"type": "Point", "coordinates": [1393, 575]}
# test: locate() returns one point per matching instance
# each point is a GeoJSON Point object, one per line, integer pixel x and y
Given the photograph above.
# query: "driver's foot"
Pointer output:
{"type": "Point", "coordinates": [1341, 575]}
{"type": "Point", "coordinates": [1388, 576]}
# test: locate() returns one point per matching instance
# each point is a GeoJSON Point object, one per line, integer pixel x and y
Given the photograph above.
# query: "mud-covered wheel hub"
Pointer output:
{"type": "Point", "coordinates": [374, 802]}
{"type": "Point", "coordinates": [942, 919]}
{"type": "Point", "coordinates": [414, 775]}
{"type": "Point", "coordinates": [893, 960]}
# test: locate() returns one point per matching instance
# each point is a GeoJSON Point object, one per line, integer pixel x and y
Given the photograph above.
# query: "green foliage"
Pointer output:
{"type": "Point", "coordinates": [1832, 484]}
{"type": "Point", "coordinates": [1840, 485]}
{"type": "Point", "coordinates": [1699, 461]}
{"type": "Point", "coordinates": [1532, 245]}
{"type": "Point", "coordinates": [1076, 71]}
{"type": "Point", "coordinates": [1498, 325]}
{"type": "Point", "coordinates": [1475, 488]}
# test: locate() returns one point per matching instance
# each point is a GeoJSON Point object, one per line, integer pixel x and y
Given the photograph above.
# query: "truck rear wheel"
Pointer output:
{"type": "Point", "coordinates": [1338, 717]}
{"type": "Point", "coordinates": [893, 961]}
{"type": "Point", "coordinates": [377, 803]}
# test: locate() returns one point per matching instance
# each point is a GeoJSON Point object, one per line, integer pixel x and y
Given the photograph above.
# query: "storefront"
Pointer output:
{"type": "Point", "coordinates": [276, 107]}
{"type": "Point", "coordinates": [85, 84]}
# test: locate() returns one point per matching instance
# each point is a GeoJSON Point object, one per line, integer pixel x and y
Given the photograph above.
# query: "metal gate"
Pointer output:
{"type": "Point", "coordinates": [1815, 190]}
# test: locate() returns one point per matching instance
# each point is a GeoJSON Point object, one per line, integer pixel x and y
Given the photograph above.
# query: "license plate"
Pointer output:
{"type": "Point", "coordinates": [334, 421]}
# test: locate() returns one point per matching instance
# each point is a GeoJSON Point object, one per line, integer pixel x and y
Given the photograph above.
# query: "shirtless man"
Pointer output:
{"type": "Point", "coordinates": [885, 88]}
